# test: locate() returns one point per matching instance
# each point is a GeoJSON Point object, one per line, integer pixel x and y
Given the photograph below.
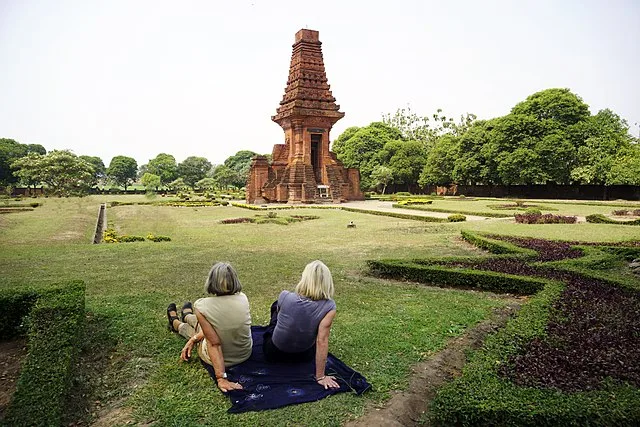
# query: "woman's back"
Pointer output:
{"type": "Point", "coordinates": [298, 320]}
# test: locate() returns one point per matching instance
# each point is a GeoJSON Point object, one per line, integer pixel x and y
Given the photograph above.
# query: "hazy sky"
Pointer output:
{"type": "Point", "coordinates": [137, 78]}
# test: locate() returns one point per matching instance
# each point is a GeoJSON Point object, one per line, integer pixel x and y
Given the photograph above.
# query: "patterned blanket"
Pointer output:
{"type": "Point", "coordinates": [273, 385]}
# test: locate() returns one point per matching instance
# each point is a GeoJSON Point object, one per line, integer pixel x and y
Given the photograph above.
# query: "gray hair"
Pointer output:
{"type": "Point", "coordinates": [222, 280]}
{"type": "Point", "coordinates": [316, 282]}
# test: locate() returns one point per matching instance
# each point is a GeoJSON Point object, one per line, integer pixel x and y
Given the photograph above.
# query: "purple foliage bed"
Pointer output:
{"type": "Point", "coordinates": [594, 331]}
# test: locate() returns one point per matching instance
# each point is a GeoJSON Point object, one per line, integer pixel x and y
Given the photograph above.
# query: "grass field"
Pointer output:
{"type": "Point", "coordinates": [130, 363]}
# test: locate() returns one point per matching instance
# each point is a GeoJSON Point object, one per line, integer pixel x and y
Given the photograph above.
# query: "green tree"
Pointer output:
{"type": "Point", "coordinates": [165, 166]}
{"type": "Point", "coordinates": [359, 148]}
{"type": "Point", "coordinates": [100, 171]}
{"type": "Point", "coordinates": [150, 181]}
{"type": "Point", "coordinates": [27, 169]}
{"type": "Point", "coordinates": [406, 159]}
{"type": "Point", "coordinates": [193, 169]}
{"type": "Point", "coordinates": [382, 175]}
{"type": "Point", "coordinates": [10, 151]}
{"type": "Point", "coordinates": [177, 184]}
{"type": "Point", "coordinates": [224, 176]}
{"type": "Point", "coordinates": [440, 162]}
{"type": "Point", "coordinates": [61, 171]}
{"type": "Point", "coordinates": [122, 171]}
{"type": "Point", "coordinates": [241, 164]}
{"type": "Point", "coordinates": [424, 128]}
{"type": "Point", "coordinates": [206, 183]}
{"type": "Point", "coordinates": [626, 168]}
{"type": "Point", "coordinates": [559, 105]}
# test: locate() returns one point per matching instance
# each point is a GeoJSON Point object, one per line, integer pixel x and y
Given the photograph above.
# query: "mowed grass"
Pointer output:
{"type": "Point", "coordinates": [382, 328]}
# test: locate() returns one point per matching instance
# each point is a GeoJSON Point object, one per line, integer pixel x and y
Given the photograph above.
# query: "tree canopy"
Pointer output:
{"type": "Point", "coordinates": [193, 169]}
{"type": "Point", "coordinates": [122, 170]}
{"type": "Point", "coordinates": [165, 166]}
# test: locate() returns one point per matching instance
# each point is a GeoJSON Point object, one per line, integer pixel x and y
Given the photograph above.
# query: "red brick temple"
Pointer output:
{"type": "Point", "coordinates": [303, 170]}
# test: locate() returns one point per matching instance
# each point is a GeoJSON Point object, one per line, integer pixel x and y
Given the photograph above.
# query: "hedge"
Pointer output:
{"type": "Point", "coordinates": [440, 275]}
{"type": "Point", "coordinates": [421, 208]}
{"type": "Point", "coordinates": [56, 319]}
{"type": "Point", "coordinates": [397, 215]}
{"type": "Point", "coordinates": [496, 246]}
{"type": "Point", "coordinates": [601, 219]}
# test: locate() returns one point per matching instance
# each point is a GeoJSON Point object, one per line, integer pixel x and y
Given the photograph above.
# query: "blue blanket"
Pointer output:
{"type": "Point", "coordinates": [273, 385]}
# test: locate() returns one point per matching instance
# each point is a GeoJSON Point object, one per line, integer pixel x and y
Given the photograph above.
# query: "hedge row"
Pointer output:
{"type": "Point", "coordinates": [56, 319]}
{"type": "Point", "coordinates": [601, 219]}
{"type": "Point", "coordinates": [447, 276]}
{"type": "Point", "coordinates": [422, 208]}
{"type": "Point", "coordinates": [496, 246]}
{"type": "Point", "coordinates": [397, 215]}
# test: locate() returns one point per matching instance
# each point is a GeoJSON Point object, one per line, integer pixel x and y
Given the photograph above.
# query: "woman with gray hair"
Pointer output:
{"type": "Point", "coordinates": [218, 325]}
{"type": "Point", "coordinates": [301, 323]}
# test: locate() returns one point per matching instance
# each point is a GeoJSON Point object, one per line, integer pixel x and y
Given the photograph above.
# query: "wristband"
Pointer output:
{"type": "Point", "coordinates": [321, 378]}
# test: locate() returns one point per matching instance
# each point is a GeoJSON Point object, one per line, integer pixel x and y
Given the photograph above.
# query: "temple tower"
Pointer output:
{"type": "Point", "coordinates": [303, 170]}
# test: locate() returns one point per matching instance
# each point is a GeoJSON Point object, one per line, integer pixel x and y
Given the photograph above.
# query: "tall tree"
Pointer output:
{"type": "Point", "coordinates": [240, 163]}
{"type": "Point", "coordinates": [165, 166]}
{"type": "Point", "coordinates": [440, 162]}
{"type": "Point", "coordinates": [224, 176]}
{"type": "Point", "coordinates": [122, 171]}
{"type": "Point", "coordinates": [406, 159]}
{"type": "Point", "coordinates": [10, 151]}
{"type": "Point", "coordinates": [559, 105]}
{"type": "Point", "coordinates": [193, 169]}
{"type": "Point", "coordinates": [382, 175]}
{"type": "Point", "coordinates": [100, 171]}
{"type": "Point", "coordinates": [61, 171]}
{"type": "Point", "coordinates": [359, 148]}
{"type": "Point", "coordinates": [150, 181]}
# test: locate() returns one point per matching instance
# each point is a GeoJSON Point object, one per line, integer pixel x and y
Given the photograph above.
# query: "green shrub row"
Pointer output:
{"type": "Point", "coordinates": [55, 329]}
{"type": "Point", "coordinates": [438, 275]}
{"type": "Point", "coordinates": [396, 215]}
{"type": "Point", "coordinates": [442, 210]}
{"type": "Point", "coordinates": [601, 219]}
{"type": "Point", "coordinates": [111, 236]}
{"type": "Point", "coordinates": [495, 246]}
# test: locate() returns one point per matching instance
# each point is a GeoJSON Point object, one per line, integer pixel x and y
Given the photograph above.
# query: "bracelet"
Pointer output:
{"type": "Point", "coordinates": [321, 378]}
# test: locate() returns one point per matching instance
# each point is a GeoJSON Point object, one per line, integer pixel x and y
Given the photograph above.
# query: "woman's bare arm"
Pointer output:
{"type": "Point", "coordinates": [322, 350]}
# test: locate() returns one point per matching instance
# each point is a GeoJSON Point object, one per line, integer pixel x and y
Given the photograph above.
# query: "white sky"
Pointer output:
{"type": "Point", "coordinates": [137, 78]}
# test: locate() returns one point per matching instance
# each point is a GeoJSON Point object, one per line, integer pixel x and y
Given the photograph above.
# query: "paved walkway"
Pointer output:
{"type": "Point", "coordinates": [377, 205]}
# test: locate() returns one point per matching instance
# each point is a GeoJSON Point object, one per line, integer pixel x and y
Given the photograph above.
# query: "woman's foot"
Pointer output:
{"type": "Point", "coordinates": [172, 315]}
{"type": "Point", "coordinates": [187, 309]}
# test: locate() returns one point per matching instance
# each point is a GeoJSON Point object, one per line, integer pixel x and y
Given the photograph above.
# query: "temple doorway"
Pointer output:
{"type": "Point", "coordinates": [316, 146]}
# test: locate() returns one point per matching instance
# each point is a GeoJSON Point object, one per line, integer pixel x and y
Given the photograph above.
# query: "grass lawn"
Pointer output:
{"type": "Point", "coordinates": [131, 360]}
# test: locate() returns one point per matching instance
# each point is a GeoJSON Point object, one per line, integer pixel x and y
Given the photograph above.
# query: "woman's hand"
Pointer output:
{"type": "Point", "coordinates": [328, 382]}
{"type": "Point", "coordinates": [225, 385]}
{"type": "Point", "coordinates": [185, 354]}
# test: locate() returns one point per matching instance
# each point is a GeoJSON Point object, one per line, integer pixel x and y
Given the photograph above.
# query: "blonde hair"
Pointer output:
{"type": "Point", "coordinates": [222, 280]}
{"type": "Point", "coordinates": [316, 282]}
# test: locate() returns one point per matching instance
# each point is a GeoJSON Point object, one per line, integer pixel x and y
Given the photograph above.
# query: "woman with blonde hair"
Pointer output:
{"type": "Point", "coordinates": [220, 325]}
{"type": "Point", "coordinates": [301, 322]}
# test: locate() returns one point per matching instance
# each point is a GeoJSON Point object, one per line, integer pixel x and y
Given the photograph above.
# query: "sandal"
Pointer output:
{"type": "Point", "coordinates": [187, 306]}
{"type": "Point", "coordinates": [170, 308]}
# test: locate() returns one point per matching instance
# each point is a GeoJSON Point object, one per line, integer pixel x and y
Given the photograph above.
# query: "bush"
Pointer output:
{"type": "Point", "coordinates": [532, 211]}
{"type": "Point", "coordinates": [496, 246]}
{"type": "Point", "coordinates": [236, 220]}
{"type": "Point", "coordinates": [396, 215]}
{"type": "Point", "coordinates": [601, 219]}
{"type": "Point", "coordinates": [403, 193]}
{"type": "Point", "coordinates": [534, 218]}
{"type": "Point", "coordinates": [127, 239]}
{"type": "Point", "coordinates": [456, 218]}
{"type": "Point", "coordinates": [56, 326]}
{"type": "Point", "coordinates": [621, 212]}
{"type": "Point", "coordinates": [158, 238]}
{"type": "Point", "coordinates": [430, 209]}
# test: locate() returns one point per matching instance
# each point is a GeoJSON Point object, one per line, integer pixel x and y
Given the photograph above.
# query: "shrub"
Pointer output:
{"type": "Point", "coordinates": [620, 212]}
{"type": "Point", "coordinates": [396, 215]}
{"type": "Point", "coordinates": [635, 212]}
{"type": "Point", "coordinates": [601, 219]}
{"type": "Point", "coordinates": [533, 218]}
{"type": "Point", "coordinates": [272, 214]}
{"type": "Point", "coordinates": [533, 211]}
{"type": "Point", "coordinates": [56, 325]}
{"type": "Point", "coordinates": [456, 218]}
{"type": "Point", "coordinates": [127, 239]}
{"type": "Point", "coordinates": [110, 236]}
{"type": "Point", "coordinates": [403, 193]}
{"type": "Point", "coordinates": [158, 238]}
{"type": "Point", "coordinates": [236, 220]}
{"type": "Point", "coordinates": [34, 204]}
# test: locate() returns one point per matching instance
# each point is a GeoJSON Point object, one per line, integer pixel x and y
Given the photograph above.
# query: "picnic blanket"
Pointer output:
{"type": "Point", "coordinates": [274, 385]}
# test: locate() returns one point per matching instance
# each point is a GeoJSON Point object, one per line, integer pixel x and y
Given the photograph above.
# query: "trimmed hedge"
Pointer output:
{"type": "Point", "coordinates": [442, 210]}
{"type": "Point", "coordinates": [56, 325]}
{"type": "Point", "coordinates": [440, 275]}
{"type": "Point", "coordinates": [397, 215]}
{"type": "Point", "coordinates": [496, 246]}
{"type": "Point", "coordinates": [601, 219]}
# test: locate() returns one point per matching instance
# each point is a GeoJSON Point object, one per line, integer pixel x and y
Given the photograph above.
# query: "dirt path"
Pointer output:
{"type": "Point", "coordinates": [11, 355]}
{"type": "Point", "coordinates": [408, 408]}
